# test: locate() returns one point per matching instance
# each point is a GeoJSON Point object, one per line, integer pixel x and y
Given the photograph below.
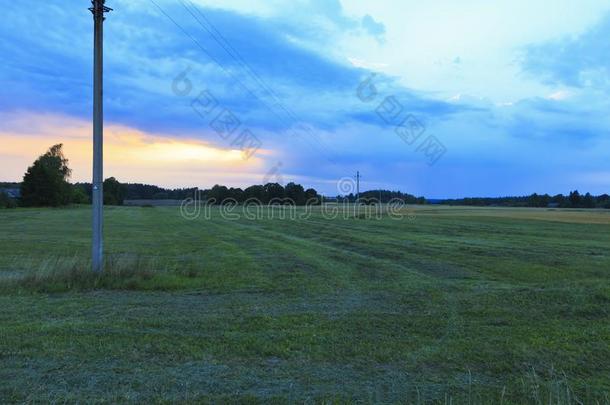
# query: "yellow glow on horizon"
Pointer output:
{"type": "Point", "coordinates": [130, 155]}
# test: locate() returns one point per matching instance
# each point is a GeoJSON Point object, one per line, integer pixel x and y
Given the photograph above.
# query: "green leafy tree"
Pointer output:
{"type": "Point", "coordinates": [79, 195]}
{"type": "Point", "coordinates": [45, 183]}
{"type": "Point", "coordinates": [256, 192]}
{"type": "Point", "coordinates": [218, 193]}
{"type": "Point", "coordinates": [114, 192]}
{"type": "Point", "coordinates": [588, 201]}
{"type": "Point", "coordinates": [312, 197]}
{"type": "Point", "coordinates": [575, 199]}
{"type": "Point", "coordinates": [296, 193]}
{"type": "Point", "coordinates": [274, 190]}
{"type": "Point", "coordinates": [237, 194]}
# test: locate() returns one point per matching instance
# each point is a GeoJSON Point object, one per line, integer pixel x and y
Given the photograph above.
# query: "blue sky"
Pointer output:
{"type": "Point", "coordinates": [512, 95]}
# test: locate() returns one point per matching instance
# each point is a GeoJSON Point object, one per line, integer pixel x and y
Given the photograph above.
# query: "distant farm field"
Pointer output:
{"type": "Point", "coordinates": [446, 305]}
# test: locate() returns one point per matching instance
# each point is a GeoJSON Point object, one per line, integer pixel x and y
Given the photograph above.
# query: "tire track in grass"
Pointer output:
{"type": "Point", "coordinates": [307, 242]}
{"type": "Point", "coordinates": [453, 324]}
{"type": "Point", "coordinates": [482, 247]}
{"type": "Point", "coordinates": [359, 243]}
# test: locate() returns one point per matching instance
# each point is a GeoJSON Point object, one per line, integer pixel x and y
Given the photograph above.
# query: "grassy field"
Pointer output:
{"type": "Point", "coordinates": [447, 305]}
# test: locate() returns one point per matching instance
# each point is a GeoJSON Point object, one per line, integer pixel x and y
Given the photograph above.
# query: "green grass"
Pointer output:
{"type": "Point", "coordinates": [448, 305]}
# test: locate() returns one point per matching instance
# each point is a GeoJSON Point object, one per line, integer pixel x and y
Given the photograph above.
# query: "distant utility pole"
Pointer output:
{"type": "Point", "coordinates": [98, 9]}
{"type": "Point", "coordinates": [358, 187]}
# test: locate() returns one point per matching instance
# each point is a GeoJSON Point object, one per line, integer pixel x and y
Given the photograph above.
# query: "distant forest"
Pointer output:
{"type": "Point", "coordinates": [573, 200]}
{"type": "Point", "coordinates": [45, 183]}
{"type": "Point", "coordinates": [263, 193]}
{"type": "Point", "coordinates": [118, 192]}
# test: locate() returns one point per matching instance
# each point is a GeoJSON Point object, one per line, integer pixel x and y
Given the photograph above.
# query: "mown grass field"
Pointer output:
{"type": "Point", "coordinates": [447, 305]}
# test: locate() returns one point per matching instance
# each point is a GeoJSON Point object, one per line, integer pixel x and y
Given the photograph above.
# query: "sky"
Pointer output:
{"type": "Point", "coordinates": [442, 99]}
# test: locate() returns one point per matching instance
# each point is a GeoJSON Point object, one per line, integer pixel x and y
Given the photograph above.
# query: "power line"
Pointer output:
{"type": "Point", "coordinates": [226, 45]}
{"type": "Point", "coordinates": [215, 60]}
{"type": "Point", "coordinates": [233, 53]}
{"type": "Point", "coordinates": [207, 53]}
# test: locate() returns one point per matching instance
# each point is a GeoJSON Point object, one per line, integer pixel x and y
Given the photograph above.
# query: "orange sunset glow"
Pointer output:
{"type": "Point", "coordinates": [130, 155]}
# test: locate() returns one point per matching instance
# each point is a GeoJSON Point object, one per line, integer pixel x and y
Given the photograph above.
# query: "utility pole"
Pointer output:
{"type": "Point", "coordinates": [358, 187]}
{"type": "Point", "coordinates": [98, 9]}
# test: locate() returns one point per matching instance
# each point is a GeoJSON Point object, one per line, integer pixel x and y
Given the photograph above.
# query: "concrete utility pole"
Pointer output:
{"type": "Point", "coordinates": [98, 9]}
{"type": "Point", "coordinates": [358, 187]}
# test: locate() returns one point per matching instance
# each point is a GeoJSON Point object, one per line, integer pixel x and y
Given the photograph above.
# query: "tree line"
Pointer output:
{"type": "Point", "coordinates": [292, 193]}
{"type": "Point", "coordinates": [45, 183]}
{"type": "Point", "coordinates": [382, 196]}
{"type": "Point", "coordinates": [264, 193]}
{"type": "Point", "coordinates": [572, 200]}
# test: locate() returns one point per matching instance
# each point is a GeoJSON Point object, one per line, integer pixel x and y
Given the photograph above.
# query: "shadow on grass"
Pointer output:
{"type": "Point", "coordinates": [121, 272]}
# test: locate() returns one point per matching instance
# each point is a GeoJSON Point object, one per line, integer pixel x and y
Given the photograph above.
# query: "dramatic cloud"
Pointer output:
{"type": "Point", "coordinates": [576, 61]}
{"type": "Point", "coordinates": [322, 86]}
{"type": "Point", "coordinates": [373, 27]}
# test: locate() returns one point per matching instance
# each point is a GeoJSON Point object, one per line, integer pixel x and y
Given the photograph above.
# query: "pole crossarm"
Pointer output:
{"type": "Point", "coordinates": [98, 8]}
